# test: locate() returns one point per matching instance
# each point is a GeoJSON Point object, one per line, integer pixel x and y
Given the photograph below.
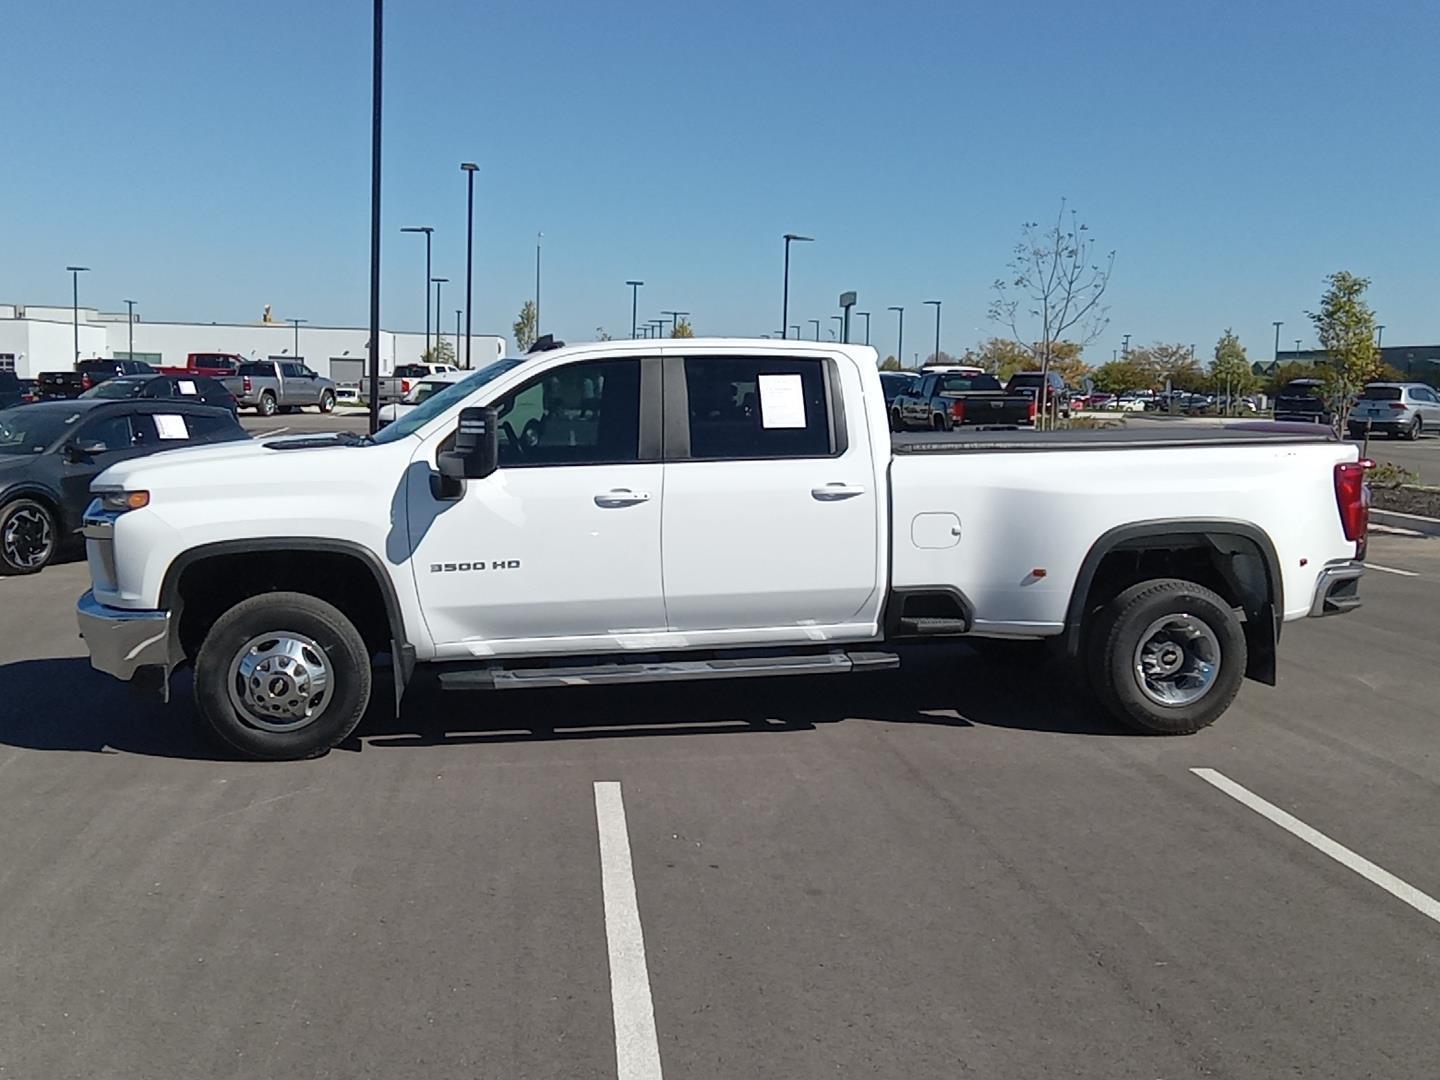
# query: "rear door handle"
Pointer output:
{"type": "Point", "coordinates": [836, 492]}
{"type": "Point", "coordinates": [621, 497]}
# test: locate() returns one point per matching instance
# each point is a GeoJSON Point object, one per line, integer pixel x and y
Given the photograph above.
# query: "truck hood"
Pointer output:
{"type": "Point", "coordinates": [246, 463]}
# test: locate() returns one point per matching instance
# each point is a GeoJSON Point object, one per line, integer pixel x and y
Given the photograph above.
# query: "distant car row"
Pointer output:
{"type": "Point", "coordinates": [945, 397]}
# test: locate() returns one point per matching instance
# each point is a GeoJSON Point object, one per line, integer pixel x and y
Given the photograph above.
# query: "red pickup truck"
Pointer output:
{"type": "Point", "coordinates": [208, 365]}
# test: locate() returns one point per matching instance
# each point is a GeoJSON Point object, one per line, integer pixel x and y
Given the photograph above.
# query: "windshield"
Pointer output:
{"type": "Point", "coordinates": [417, 418]}
{"type": "Point", "coordinates": [29, 429]}
{"type": "Point", "coordinates": [117, 388]}
{"type": "Point", "coordinates": [426, 390]}
{"type": "Point", "coordinates": [952, 384]}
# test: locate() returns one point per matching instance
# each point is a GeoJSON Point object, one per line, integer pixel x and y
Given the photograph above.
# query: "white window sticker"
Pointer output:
{"type": "Point", "coordinates": [186, 386]}
{"type": "Point", "coordinates": [171, 427]}
{"type": "Point", "coordinates": [782, 401]}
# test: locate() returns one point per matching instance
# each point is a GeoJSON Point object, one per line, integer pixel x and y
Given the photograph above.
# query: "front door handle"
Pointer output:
{"type": "Point", "coordinates": [835, 492]}
{"type": "Point", "coordinates": [621, 497]}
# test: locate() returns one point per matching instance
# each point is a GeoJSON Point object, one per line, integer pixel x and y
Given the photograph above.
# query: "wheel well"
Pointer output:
{"type": "Point", "coordinates": [44, 498]}
{"type": "Point", "coordinates": [207, 587]}
{"type": "Point", "coordinates": [1240, 568]}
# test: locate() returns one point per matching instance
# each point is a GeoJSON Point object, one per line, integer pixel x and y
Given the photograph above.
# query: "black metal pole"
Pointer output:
{"type": "Point", "coordinates": [130, 315]}
{"type": "Point", "coordinates": [634, 301]}
{"type": "Point", "coordinates": [469, 168]}
{"type": "Point", "coordinates": [1276, 358]}
{"type": "Point", "coordinates": [457, 339]}
{"type": "Point", "coordinates": [785, 291]}
{"type": "Point", "coordinates": [427, 292]}
{"type": "Point", "coordinates": [817, 328]}
{"type": "Point", "coordinates": [537, 285]}
{"type": "Point", "coordinates": [435, 356]}
{"type": "Point", "coordinates": [866, 316]}
{"type": "Point", "coordinates": [75, 310]}
{"type": "Point", "coordinates": [899, 336]}
{"type": "Point", "coordinates": [377, 55]}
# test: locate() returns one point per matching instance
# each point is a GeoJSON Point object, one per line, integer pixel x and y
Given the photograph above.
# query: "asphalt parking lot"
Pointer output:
{"type": "Point", "coordinates": [952, 870]}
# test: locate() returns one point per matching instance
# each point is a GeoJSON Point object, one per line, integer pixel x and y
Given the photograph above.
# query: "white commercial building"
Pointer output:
{"type": "Point", "coordinates": [36, 338]}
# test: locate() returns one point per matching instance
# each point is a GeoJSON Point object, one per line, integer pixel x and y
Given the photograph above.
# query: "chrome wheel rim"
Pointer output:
{"type": "Point", "coordinates": [1177, 660]}
{"type": "Point", "coordinates": [27, 539]}
{"type": "Point", "coordinates": [280, 681]}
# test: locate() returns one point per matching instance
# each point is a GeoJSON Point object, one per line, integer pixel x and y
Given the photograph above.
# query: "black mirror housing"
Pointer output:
{"type": "Point", "coordinates": [476, 453]}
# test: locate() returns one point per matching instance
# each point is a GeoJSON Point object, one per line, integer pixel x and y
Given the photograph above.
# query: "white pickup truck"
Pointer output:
{"type": "Point", "coordinates": [630, 511]}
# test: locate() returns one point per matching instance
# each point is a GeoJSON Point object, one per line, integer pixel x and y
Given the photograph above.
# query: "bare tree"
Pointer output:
{"type": "Point", "coordinates": [1053, 281]}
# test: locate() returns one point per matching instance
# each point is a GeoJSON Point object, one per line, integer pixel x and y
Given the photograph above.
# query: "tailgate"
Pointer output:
{"type": "Point", "coordinates": [59, 384]}
{"type": "Point", "coordinates": [986, 410]}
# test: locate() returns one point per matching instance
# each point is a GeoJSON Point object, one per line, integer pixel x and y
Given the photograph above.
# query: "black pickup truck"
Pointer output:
{"type": "Point", "coordinates": [1303, 400]}
{"type": "Point", "coordinates": [59, 385]}
{"type": "Point", "coordinates": [940, 401]}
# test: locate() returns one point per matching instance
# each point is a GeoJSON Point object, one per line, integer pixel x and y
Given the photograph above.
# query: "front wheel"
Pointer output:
{"type": "Point", "coordinates": [282, 676]}
{"type": "Point", "coordinates": [1167, 656]}
{"type": "Point", "coordinates": [327, 402]}
{"type": "Point", "coordinates": [27, 537]}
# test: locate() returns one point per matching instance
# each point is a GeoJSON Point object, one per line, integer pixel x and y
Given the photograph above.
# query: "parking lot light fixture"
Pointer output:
{"type": "Point", "coordinates": [866, 316]}
{"type": "Point", "coordinates": [675, 317]}
{"type": "Point", "coordinates": [1277, 325]}
{"type": "Point", "coordinates": [841, 320]}
{"type": "Point", "coordinates": [899, 334]}
{"type": "Point", "coordinates": [796, 329]}
{"type": "Point", "coordinates": [785, 292]}
{"type": "Point", "coordinates": [1297, 348]}
{"type": "Point", "coordinates": [296, 323]}
{"type": "Point", "coordinates": [468, 168]}
{"type": "Point", "coordinates": [130, 318]}
{"type": "Point", "coordinates": [457, 341]}
{"type": "Point", "coordinates": [634, 302]}
{"type": "Point", "coordinates": [937, 328]}
{"type": "Point", "coordinates": [427, 230]}
{"type": "Point", "coordinates": [75, 272]}
{"type": "Point", "coordinates": [1379, 334]}
{"type": "Point", "coordinates": [438, 282]}
{"type": "Point", "coordinates": [816, 323]}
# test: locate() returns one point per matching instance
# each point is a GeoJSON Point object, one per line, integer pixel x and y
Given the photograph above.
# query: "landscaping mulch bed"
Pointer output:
{"type": "Point", "coordinates": [1424, 501]}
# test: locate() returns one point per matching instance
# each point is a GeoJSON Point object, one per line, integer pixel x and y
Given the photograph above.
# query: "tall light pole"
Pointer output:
{"type": "Point", "coordinates": [1277, 325]}
{"type": "Point", "coordinates": [1125, 346]}
{"type": "Point", "coordinates": [1297, 348]}
{"type": "Point", "coordinates": [634, 302]}
{"type": "Point", "coordinates": [297, 323]}
{"type": "Point", "coordinates": [937, 328]}
{"type": "Point", "coordinates": [539, 236]}
{"type": "Point", "coordinates": [457, 339]}
{"type": "Point", "coordinates": [784, 334]}
{"type": "Point", "coordinates": [75, 272]}
{"type": "Point", "coordinates": [899, 335]}
{"type": "Point", "coordinates": [866, 316]}
{"type": "Point", "coordinates": [130, 318]}
{"type": "Point", "coordinates": [675, 317]}
{"type": "Point", "coordinates": [785, 292]}
{"type": "Point", "coordinates": [1379, 334]}
{"type": "Point", "coordinates": [469, 168]}
{"type": "Point", "coordinates": [659, 325]}
{"type": "Point", "coordinates": [841, 320]}
{"type": "Point", "coordinates": [427, 230]}
{"type": "Point", "coordinates": [438, 282]}
{"type": "Point", "coordinates": [816, 322]}
{"type": "Point", "coordinates": [376, 54]}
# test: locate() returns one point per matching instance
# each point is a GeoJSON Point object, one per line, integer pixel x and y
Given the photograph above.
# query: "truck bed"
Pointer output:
{"type": "Point", "coordinates": [1251, 433]}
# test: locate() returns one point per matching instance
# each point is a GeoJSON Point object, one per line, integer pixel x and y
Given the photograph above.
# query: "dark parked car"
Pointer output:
{"type": "Point", "coordinates": [50, 451]}
{"type": "Point", "coordinates": [181, 387]}
{"type": "Point", "coordinates": [1303, 400]}
{"type": "Point", "coordinates": [894, 383]}
{"type": "Point", "coordinates": [939, 402]}
{"type": "Point", "coordinates": [11, 392]}
{"type": "Point", "coordinates": [1028, 383]}
{"type": "Point", "coordinates": [55, 385]}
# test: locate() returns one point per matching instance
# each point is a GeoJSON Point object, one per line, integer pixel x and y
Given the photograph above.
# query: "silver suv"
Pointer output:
{"type": "Point", "coordinates": [1408, 409]}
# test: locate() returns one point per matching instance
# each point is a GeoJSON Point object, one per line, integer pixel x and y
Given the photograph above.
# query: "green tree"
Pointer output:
{"type": "Point", "coordinates": [601, 334]}
{"type": "Point", "coordinates": [1173, 362]}
{"type": "Point", "coordinates": [1118, 376]}
{"type": "Point", "coordinates": [1345, 325]}
{"type": "Point", "coordinates": [524, 327]}
{"type": "Point", "coordinates": [682, 329]}
{"type": "Point", "coordinates": [1230, 372]}
{"type": "Point", "coordinates": [1055, 285]}
{"type": "Point", "coordinates": [1288, 372]}
{"type": "Point", "coordinates": [442, 352]}
{"type": "Point", "coordinates": [890, 364]}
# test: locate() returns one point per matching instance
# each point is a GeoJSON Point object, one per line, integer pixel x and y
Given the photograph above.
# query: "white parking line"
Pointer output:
{"type": "Point", "coordinates": [637, 1051]}
{"type": "Point", "coordinates": [272, 431]}
{"type": "Point", "coordinates": [1390, 570]}
{"type": "Point", "coordinates": [1401, 890]}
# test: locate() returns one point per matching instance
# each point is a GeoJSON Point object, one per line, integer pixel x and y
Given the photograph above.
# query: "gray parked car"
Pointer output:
{"type": "Point", "coordinates": [271, 386]}
{"type": "Point", "coordinates": [1408, 409]}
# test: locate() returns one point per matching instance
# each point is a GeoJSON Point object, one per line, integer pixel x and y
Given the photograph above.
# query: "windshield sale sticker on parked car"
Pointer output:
{"type": "Point", "coordinates": [782, 401]}
{"type": "Point", "coordinates": [171, 427]}
{"type": "Point", "coordinates": [186, 386]}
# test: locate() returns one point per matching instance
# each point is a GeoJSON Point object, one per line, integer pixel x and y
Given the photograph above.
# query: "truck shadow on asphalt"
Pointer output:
{"type": "Point", "coordinates": [64, 705]}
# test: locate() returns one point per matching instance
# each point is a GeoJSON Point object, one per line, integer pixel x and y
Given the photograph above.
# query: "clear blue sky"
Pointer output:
{"type": "Point", "coordinates": [209, 158]}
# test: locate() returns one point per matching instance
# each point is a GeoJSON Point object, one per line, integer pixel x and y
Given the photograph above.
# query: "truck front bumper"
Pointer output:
{"type": "Point", "coordinates": [121, 641]}
{"type": "Point", "coordinates": [1337, 589]}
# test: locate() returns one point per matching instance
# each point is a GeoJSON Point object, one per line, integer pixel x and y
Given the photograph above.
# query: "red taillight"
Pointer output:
{"type": "Point", "coordinates": [245, 386]}
{"type": "Point", "coordinates": [1031, 411]}
{"type": "Point", "coordinates": [1352, 496]}
{"type": "Point", "coordinates": [86, 382]}
{"type": "Point", "coordinates": [957, 412]}
{"type": "Point", "coordinates": [1397, 405]}
{"type": "Point", "coordinates": [404, 386]}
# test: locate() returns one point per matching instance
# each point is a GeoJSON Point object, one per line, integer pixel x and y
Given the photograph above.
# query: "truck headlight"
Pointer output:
{"type": "Point", "coordinates": [118, 502]}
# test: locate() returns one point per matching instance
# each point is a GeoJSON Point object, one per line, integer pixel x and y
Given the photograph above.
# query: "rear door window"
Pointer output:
{"type": "Point", "coordinates": [107, 434]}
{"type": "Point", "coordinates": [769, 407]}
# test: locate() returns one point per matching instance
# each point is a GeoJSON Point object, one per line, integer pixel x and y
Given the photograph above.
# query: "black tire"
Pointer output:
{"type": "Point", "coordinates": [267, 405]}
{"type": "Point", "coordinates": [940, 422]}
{"type": "Point", "coordinates": [345, 657]}
{"type": "Point", "coordinates": [1415, 429]}
{"type": "Point", "coordinates": [1115, 640]}
{"type": "Point", "coordinates": [327, 401]}
{"type": "Point", "coordinates": [28, 537]}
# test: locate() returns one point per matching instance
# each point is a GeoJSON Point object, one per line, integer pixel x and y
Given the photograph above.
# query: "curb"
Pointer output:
{"type": "Point", "coordinates": [1396, 520]}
